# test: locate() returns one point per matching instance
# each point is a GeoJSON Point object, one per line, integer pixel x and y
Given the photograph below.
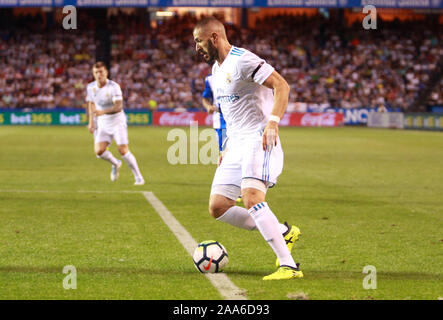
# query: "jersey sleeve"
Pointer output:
{"type": "Point", "coordinates": [253, 68]}
{"type": "Point", "coordinates": [207, 92]}
{"type": "Point", "coordinates": [88, 94]}
{"type": "Point", "coordinates": [117, 93]}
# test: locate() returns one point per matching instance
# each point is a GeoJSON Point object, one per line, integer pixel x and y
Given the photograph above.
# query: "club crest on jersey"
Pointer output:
{"type": "Point", "coordinates": [94, 90]}
{"type": "Point", "coordinates": [228, 78]}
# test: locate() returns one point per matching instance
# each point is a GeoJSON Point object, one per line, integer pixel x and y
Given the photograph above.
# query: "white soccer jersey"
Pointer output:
{"type": "Point", "coordinates": [215, 114]}
{"type": "Point", "coordinates": [104, 98]}
{"type": "Point", "coordinates": [237, 87]}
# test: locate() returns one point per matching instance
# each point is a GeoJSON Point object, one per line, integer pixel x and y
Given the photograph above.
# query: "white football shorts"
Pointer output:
{"type": "Point", "coordinates": [245, 159]}
{"type": "Point", "coordinates": [117, 132]}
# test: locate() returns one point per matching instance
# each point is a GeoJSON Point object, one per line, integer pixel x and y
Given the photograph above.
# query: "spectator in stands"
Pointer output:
{"type": "Point", "coordinates": [325, 66]}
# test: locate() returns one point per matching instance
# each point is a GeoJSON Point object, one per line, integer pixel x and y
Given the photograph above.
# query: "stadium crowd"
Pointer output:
{"type": "Point", "coordinates": [352, 67]}
{"type": "Point", "coordinates": [326, 65]}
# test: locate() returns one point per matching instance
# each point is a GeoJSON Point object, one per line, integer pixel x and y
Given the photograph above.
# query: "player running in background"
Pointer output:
{"type": "Point", "coordinates": [107, 121]}
{"type": "Point", "coordinates": [253, 97]}
{"type": "Point", "coordinates": [218, 122]}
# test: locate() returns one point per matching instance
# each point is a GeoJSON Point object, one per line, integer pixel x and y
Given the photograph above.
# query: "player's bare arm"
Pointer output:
{"type": "Point", "coordinates": [117, 107]}
{"type": "Point", "coordinates": [91, 112]}
{"type": "Point", "coordinates": [281, 96]}
{"type": "Point", "coordinates": [210, 108]}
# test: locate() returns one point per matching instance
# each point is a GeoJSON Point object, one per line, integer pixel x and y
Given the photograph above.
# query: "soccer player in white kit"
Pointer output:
{"type": "Point", "coordinates": [253, 97]}
{"type": "Point", "coordinates": [107, 121]}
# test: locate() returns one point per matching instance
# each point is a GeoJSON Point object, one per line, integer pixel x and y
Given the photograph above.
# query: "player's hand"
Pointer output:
{"type": "Point", "coordinates": [212, 109]}
{"type": "Point", "coordinates": [220, 157]}
{"type": "Point", "coordinates": [91, 127]}
{"type": "Point", "coordinates": [270, 135]}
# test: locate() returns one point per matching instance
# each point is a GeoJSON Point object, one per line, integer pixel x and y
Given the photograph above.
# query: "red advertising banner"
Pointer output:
{"type": "Point", "coordinates": [177, 119]}
{"type": "Point", "coordinates": [311, 119]}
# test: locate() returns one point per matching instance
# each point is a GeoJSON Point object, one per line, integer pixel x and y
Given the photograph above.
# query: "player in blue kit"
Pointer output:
{"type": "Point", "coordinates": [218, 122]}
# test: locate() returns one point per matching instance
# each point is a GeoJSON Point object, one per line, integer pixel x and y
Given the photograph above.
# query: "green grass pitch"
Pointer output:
{"type": "Point", "coordinates": [360, 197]}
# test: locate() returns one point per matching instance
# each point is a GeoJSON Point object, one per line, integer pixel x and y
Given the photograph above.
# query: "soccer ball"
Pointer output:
{"type": "Point", "coordinates": [210, 256]}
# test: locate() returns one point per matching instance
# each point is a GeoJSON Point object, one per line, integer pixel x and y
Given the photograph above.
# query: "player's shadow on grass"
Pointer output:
{"type": "Point", "coordinates": [308, 274]}
{"type": "Point", "coordinates": [346, 275]}
{"type": "Point", "coordinates": [99, 270]}
{"type": "Point", "coordinates": [349, 275]}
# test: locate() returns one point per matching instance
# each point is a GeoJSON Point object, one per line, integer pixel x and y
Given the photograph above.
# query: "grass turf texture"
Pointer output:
{"type": "Point", "coordinates": [360, 197]}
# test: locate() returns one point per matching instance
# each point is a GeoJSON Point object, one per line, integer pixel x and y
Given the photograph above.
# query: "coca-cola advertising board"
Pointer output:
{"type": "Point", "coordinates": [312, 119]}
{"type": "Point", "coordinates": [177, 119]}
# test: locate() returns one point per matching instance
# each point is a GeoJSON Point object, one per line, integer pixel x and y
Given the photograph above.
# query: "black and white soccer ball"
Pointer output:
{"type": "Point", "coordinates": [210, 256]}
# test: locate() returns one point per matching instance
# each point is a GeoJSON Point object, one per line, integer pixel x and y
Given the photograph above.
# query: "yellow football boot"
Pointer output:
{"type": "Point", "coordinates": [290, 236]}
{"type": "Point", "coordinates": [285, 273]}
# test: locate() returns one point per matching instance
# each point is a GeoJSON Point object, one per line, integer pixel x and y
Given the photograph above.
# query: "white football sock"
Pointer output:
{"type": "Point", "coordinates": [107, 155]}
{"type": "Point", "coordinates": [132, 164]}
{"type": "Point", "coordinates": [282, 228]}
{"type": "Point", "coordinates": [268, 226]}
{"type": "Point", "coordinates": [238, 217]}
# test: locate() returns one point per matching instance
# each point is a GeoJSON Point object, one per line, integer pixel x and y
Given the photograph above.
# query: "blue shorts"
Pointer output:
{"type": "Point", "coordinates": [221, 134]}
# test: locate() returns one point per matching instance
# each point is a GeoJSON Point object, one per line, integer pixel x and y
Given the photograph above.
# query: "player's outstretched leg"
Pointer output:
{"type": "Point", "coordinates": [115, 171]}
{"type": "Point", "coordinates": [224, 209]}
{"type": "Point", "coordinates": [131, 161]}
{"type": "Point", "coordinates": [268, 225]}
{"type": "Point", "coordinates": [103, 153]}
{"type": "Point", "coordinates": [229, 213]}
{"type": "Point", "coordinates": [291, 235]}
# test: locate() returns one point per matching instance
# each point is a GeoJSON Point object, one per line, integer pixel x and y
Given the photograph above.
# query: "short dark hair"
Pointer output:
{"type": "Point", "coordinates": [205, 21]}
{"type": "Point", "coordinates": [100, 64]}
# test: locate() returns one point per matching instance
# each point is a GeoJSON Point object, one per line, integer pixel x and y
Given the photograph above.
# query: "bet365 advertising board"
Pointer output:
{"type": "Point", "coordinates": [423, 121]}
{"type": "Point", "coordinates": [65, 117]}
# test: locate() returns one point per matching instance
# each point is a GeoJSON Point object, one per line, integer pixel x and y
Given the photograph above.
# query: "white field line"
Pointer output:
{"type": "Point", "coordinates": [66, 191]}
{"type": "Point", "coordinates": [220, 281]}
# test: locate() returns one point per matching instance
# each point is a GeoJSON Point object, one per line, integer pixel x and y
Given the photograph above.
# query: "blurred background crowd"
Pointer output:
{"type": "Point", "coordinates": [325, 63]}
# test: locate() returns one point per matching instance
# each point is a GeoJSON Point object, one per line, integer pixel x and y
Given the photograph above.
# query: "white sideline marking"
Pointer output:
{"type": "Point", "coordinates": [220, 281]}
{"type": "Point", "coordinates": [67, 191]}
